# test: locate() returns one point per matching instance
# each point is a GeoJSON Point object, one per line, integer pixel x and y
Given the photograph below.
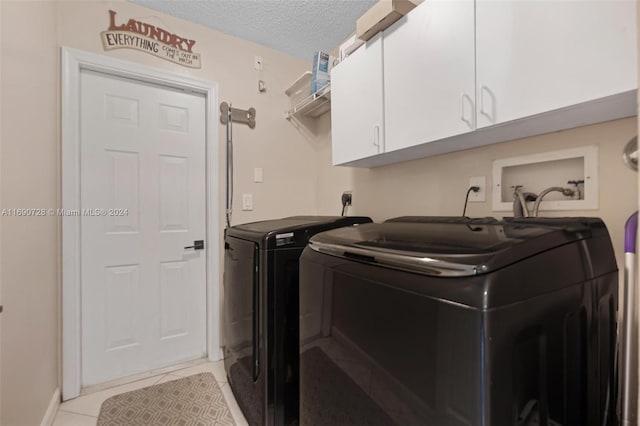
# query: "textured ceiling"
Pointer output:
{"type": "Point", "coordinates": [296, 27]}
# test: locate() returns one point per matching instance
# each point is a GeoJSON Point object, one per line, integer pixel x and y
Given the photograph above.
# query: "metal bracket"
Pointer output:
{"type": "Point", "coordinates": [238, 115]}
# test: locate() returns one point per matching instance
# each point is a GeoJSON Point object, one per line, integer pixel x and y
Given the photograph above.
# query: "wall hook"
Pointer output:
{"type": "Point", "coordinates": [238, 115]}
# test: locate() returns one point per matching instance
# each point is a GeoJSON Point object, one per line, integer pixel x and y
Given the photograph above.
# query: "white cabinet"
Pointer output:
{"type": "Point", "coordinates": [539, 56]}
{"type": "Point", "coordinates": [458, 74]}
{"type": "Point", "coordinates": [357, 112]}
{"type": "Point", "coordinates": [429, 74]}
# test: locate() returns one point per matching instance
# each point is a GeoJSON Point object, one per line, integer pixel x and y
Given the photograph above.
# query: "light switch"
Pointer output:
{"type": "Point", "coordinates": [247, 201]}
{"type": "Point", "coordinates": [257, 175]}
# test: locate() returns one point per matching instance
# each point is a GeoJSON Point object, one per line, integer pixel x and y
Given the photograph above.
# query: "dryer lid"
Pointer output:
{"type": "Point", "coordinates": [293, 231]}
{"type": "Point", "coordinates": [449, 248]}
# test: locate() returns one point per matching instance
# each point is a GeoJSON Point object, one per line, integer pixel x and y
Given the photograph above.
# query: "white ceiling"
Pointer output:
{"type": "Point", "coordinates": [296, 27]}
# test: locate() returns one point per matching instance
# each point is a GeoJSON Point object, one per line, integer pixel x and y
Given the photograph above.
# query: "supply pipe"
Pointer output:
{"type": "Point", "coordinates": [520, 200]}
{"type": "Point", "coordinates": [523, 202]}
{"type": "Point", "coordinates": [565, 191]}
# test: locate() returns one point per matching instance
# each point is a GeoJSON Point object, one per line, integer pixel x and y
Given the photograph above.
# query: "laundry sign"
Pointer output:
{"type": "Point", "coordinates": [150, 39]}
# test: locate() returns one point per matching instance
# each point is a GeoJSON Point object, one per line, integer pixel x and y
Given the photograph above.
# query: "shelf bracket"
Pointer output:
{"type": "Point", "coordinates": [247, 116]}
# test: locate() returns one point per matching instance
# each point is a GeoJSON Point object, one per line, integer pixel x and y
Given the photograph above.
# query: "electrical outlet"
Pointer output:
{"type": "Point", "coordinates": [247, 202]}
{"type": "Point", "coordinates": [480, 196]}
{"type": "Point", "coordinates": [347, 198]}
{"type": "Point", "coordinates": [257, 63]}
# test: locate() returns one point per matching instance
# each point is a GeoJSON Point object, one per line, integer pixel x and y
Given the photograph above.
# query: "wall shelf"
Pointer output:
{"type": "Point", "coordinates": [305, 104]}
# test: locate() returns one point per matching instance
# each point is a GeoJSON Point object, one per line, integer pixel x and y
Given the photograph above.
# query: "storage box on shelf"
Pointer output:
{"type": "Point", "coordinates": [381, 16]}
{"type": "Point", "coordinates": [349, 46]}
{"type": "Point", "coordinates": [304, 104]}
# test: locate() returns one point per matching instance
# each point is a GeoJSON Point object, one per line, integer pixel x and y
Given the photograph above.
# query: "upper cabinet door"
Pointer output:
{"type": "Point", "coordinates": [429, 74]}
{"type": "Point", "coordinates": [536, 56]}
{"type": "Point", "coordinates": [357, 110]}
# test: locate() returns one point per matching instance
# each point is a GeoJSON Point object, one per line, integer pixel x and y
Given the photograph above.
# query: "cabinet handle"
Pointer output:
{"type": "Point", "coordinates": [462, 114]}
{"type": "Point", "coordinates": [376, 136]}
{"type": "Point", "coordinates": [491, 116]}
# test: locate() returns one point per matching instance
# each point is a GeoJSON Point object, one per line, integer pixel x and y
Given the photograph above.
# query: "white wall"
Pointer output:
{"type": "Point", "coordinates": [32, 34]}
{"type": "Point", "coordinates": [29, 266]}
{"type": "Point", "coordinates": [296, 160]}
{"type": "Point", "coordinates": [275, 144]}
{"type": "Point", "coordinates": [437, 185]}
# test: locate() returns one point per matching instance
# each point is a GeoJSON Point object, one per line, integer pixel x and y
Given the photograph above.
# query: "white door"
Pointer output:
{"type": "Point", "coordinates": [538, 56]}
{"type": "Point", "coordinates": [429, 74]}
{"type": "Point", "coordinates": [357, 112]}
{"type": "Point", "coordinates": [142, 158]}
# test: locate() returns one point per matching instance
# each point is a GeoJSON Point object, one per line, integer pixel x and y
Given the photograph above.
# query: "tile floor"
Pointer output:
{"type": "Point", "coordinates": [84, 410]}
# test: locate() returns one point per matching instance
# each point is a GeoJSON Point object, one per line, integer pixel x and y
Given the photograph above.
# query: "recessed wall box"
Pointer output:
{"type": "Point", "coordinates": [536, 172]}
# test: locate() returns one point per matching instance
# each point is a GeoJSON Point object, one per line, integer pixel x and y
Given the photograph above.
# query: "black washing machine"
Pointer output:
{"type": "Point", "coordinates": [451, 322]}
{"type": "Point", "coordinates": [261, 313]}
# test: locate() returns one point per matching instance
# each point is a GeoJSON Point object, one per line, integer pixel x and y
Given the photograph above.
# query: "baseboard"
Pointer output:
{"type": "Point", "coordinates": [52, 409]}
{"type": "Point", "coordinates": [216, 355]}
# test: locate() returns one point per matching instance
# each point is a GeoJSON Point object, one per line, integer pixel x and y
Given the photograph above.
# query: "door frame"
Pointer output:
{"type": "Point", "coordinates": [73, 62]}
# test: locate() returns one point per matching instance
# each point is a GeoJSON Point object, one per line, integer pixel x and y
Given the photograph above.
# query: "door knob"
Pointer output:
{"type": "Point", "coordinates": [197, 245]}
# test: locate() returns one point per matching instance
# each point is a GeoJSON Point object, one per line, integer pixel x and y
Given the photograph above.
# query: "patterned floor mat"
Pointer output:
{"type": "Point", "coordinates": [191, 401]}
